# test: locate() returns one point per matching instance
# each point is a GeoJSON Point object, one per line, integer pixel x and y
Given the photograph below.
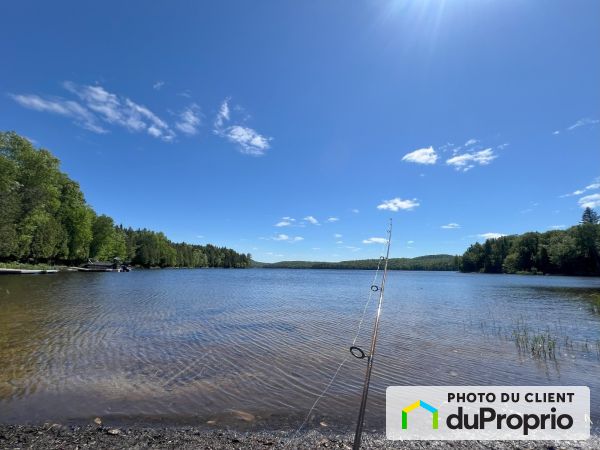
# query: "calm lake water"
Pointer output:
{"type": "Point", "coordinates": [253, 348]}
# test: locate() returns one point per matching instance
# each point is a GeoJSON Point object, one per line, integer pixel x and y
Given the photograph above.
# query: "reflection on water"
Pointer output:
{"type": "Point", "coordinates": [256, 346]}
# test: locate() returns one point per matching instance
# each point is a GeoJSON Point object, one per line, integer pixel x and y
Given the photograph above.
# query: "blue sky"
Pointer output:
{"type": "Point", "coordinates": [294, 130]}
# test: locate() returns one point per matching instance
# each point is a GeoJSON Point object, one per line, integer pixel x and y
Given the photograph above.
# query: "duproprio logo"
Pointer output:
{"type": "Point", "coordinates": [422, 404]}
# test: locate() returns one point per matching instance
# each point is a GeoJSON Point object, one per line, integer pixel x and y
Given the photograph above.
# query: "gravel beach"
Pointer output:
{"type": "Point", "coordinates": [57, 436]}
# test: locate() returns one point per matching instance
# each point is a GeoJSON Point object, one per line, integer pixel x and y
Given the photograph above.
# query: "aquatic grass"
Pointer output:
{"type": "Point", "coordinates": [595, 302]}
{"type": "Point", "coordinates": [550, 343]}
{"type": "Point", "coordinates": [540, 345]}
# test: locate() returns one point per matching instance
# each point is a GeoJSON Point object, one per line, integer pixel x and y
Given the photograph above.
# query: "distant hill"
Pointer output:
{"type": "Point", "coordinates": [427, 262]}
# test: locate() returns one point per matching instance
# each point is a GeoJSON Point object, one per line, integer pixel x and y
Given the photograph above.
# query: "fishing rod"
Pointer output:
{"type": "Point", "coordinates": [360, 354]}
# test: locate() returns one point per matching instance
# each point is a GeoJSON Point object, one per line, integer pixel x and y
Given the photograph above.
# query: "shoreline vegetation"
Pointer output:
{"type": "Point", "coordinates": [574, 251]}
{"type": "Point", "coordinates": [45, 220]}
{"type": "Point", "coordinates": [45, 223]}
{"type": "Point", "coordinates": [427, 262]}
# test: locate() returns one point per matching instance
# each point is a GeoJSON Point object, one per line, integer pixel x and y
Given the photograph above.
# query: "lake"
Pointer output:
{"type": "Point", "coordinates": [253, 348]}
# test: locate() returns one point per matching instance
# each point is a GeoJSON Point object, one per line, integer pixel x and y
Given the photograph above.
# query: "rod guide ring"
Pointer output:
{"type": "Point", "coordinates": [357, 352]}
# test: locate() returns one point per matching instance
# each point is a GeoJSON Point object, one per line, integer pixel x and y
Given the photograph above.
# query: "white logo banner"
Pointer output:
{"type": "Point", "coordinates": [488, 412]}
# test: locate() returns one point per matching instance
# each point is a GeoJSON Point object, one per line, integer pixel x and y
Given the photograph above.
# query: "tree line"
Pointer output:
{"type": "Point", "coordinates": [428, 262]}
{"type": "Point", "coordinates": [574, 251]}
{"type": "Point", "coordinates": [44, 218]}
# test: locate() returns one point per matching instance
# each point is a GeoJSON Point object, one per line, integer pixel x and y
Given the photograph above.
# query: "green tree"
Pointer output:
{"type": "Point", "coordinates": [589, 216]}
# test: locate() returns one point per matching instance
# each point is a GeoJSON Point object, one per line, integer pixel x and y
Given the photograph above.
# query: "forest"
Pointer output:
{"type": "Point", "coordinates": [574, 251]}
{"type": "Point", "coordinates": [428, 262]}
{"type": "Point", "coordinates": [44, 218]}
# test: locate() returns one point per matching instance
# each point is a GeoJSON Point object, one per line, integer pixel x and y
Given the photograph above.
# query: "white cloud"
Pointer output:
{"type": "Point", "coordinates": [339, 242]}
{"type": "Point", "coordinates": [68, 108]}
{"type": "Point", "coordinates": [491, 235]}
{"type": "Point", "coordinates": [590, 201]}
{"type": "Point", "coordinates": [557, 227]}
{"type": "Point", "coordinates": [396, 204]}
{"type": "Point", "coordinates": [337, 235]}
{"type": "Point", "coordinates": [375, 240]}
{"type": "Point", "coordinates": [285, 237]}
{"type": "Point", "coordinates": [248, 140]}
{"type": "Point", "coordinates": [555, 132]}
{"type": "Point", "coordinates": [467, 161]}
{"type": "Point", "coordinates": [352, 248]}
{"type": "Point", "coordinates": [158, 85]}
{"type": "Point", "coordinates": [583, 122]}
{"type": "Point", "coordinates": [121, 110]}
{"type": "Point", "coordinates": [451, 226]}
{"type": "Point", "coordinates": [311, 219]}
{"type": "Point", "coordinates": [421, 156]}
{"type": "Point", "coordinates": [471, 142]}
{"type": "Point", "coordinates": [333, 219]}
{"type": "Point", "coordinates": [283, 223]}
{"type": "Point", "coordinates": [410, 242]}
{"type": "Point", "coordinates": [589, 187]}
{"type": "Point", "coordinates": [189, 120]}
{"type": "Point", "coordinates": [355, 211]}
{"type": "Point", "coordinates": [222, 116]}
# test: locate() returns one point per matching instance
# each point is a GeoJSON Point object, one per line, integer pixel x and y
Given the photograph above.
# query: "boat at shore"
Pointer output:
{"type": "Point", "coordinates": [104, 266]}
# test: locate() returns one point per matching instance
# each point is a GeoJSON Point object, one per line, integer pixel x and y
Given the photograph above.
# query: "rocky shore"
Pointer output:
{"type": "Point", "coordinates": [57, 436]}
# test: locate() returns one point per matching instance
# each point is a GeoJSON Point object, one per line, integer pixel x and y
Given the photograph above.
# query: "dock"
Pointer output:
{"type": "Point", "coordinates": [4, 271]}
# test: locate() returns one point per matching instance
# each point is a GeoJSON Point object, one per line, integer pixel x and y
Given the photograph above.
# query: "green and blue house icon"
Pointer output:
{"type": "Point", "coordinates": [422, 404]}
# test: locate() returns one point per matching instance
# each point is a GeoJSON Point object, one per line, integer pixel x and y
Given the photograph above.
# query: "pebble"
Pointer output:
{"type": "Point", "coordinates": [114, 431]}
{"type": "Point", "coordinates": [98, 421]}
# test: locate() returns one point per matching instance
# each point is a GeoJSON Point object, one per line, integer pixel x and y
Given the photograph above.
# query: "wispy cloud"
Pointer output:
{"type": "Point", "coordinates": [189, 120]}
{"type": "Point", "coordinates": [491, 235]}
{"type": "Point", "coordinates": [158, 85]}
{"type": "Point", "coordinates": [583, 122]}
{"type": "Point", "coordinates": [222, 115]}
{"type": "Point", "coordinates": [333, 219]}
{"type": "Point", "coordinates": [451, 226]}
{"type": "Point", "coordinates": [375, 240]}
{"type": "Point", "coordinates": [355, 211]}
{"type": "Point", "coordinates": [120, 110]}
{"type": "Point", "coordinates": [589, 187]}
{"type": "Point", "coordinates": [285, 237]}
{"type": "Point", "coordinates": [590, 201]}
{"type": "Point", "coordinates": [285, 222]}
{"type": "Point", "coordinates": [312, 220]}
{"type": "Point", "coordinates": [467, 161]}
{"type": "Point", "coordinates": [337, 235]}
{"type": "Point", "coordinates": [248, 140]}
{"type": "Point", "coordinates": [67, 108]}
{"type": "Point", "coordinates": [471, 142]}
{"type": "Point", "coordinates": [397, 204]}
{"type": "Point", "coordinates": [421, 156]}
